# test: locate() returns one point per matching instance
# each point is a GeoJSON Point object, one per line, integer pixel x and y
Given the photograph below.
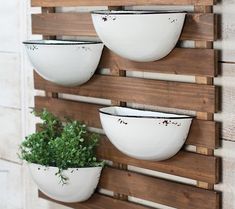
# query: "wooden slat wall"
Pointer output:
{"type": "Point", "coordinates": [200, 27]}
{"type": "Point", "coordinates": [197, 26]}
{"type": "Point", "coordinates": [157, 190]}
{"type": "Point", "coordinates": [144, 91]}
{"type": "Point", "coordinates": [184, 164]}
{"type": "Point", "coordinates": [174, 63]}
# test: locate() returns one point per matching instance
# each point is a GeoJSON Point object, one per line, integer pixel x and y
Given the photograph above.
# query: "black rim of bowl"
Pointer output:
{"type": "Point", "coordinates": [61, 42]}
{"type": "Point", "coordinates": [135, 12]}
{"type": "Point", "coordinates": [152, 117]}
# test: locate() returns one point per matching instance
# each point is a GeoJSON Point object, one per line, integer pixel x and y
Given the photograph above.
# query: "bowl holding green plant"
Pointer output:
{"type": "Point", "coordinates": [61, 158]}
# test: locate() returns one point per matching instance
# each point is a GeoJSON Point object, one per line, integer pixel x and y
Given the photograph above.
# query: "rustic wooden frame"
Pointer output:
{"type": "Point", "coordinates": [201, 96]}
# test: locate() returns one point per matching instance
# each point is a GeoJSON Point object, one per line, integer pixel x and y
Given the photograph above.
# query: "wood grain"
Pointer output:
{"type": "Point", "coordinates": [180, 62]}
{"type": "Point", "coordinates": [184, 164]}
{"type": "Point", "coordinates": [156, 190]}
{"type": "Point", "coordinates": [74, 3]}
{"type": "Point", "coordinates": [205, 81]}
{"type": "Point", "coordinates": [98, 201]}
{"type": "Point", "coordinates": [143, 91]}
{"type": "Point", "coordinates": [197, 26]}
{"type": "Point", "coordinates": [202, 133]}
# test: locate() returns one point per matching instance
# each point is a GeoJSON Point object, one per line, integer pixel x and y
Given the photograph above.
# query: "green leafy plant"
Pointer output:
{"type": "Point", "coordinates": [62, 145]}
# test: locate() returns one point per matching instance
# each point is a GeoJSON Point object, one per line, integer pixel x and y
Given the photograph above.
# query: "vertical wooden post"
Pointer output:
{"type": "Point", "coordinates": [122, 73]}
{"type": "Point", "coordinates": [205, 81]}
{"type": "Point", "coordinates": [50, 10]}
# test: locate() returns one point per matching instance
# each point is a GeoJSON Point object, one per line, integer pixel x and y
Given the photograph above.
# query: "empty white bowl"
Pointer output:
{"type": "Point", "coordinates": [139, 35]}
{"type": "Point", "coordinates": [80, 186]}
{"type": "Point", "coordinates": [145, 135]}
{"type": "Point", "coordinates": [67, 63]}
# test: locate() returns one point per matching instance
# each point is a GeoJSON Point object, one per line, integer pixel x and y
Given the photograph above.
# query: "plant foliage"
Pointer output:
{"type": "Point", "coordinates": [63, 145]}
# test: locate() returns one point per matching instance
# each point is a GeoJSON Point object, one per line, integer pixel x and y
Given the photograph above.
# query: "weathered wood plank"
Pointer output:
{"type": "Point", "coordinates": [184, 164]}
{"type": "Point", "coordinates": [98, 201]}
{"type": "Point", "coordinates": [74, 3]}
{"type": "Point", "coordinates": [180, 62]}
{"type": "Point", "coordinates": [165, 192]}
{"type": "Point", "coordinates": [206, 81]}
{"type": "Point", "coordinates": [144, 91]}
{"type": "Point", "coordinates": [202, 133]}
{"type": "Point", "coordinates": [197, 26]}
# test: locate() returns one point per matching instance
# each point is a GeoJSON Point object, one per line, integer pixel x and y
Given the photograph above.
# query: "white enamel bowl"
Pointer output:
{"type": "Point", "coordinates": [139, 35]}
{"type": "Point", "coordinates": [81, 184]}
{"type": "Point", "coordinates": [67, 63]}
{"type": "Point", "coordinates": [143, 134]}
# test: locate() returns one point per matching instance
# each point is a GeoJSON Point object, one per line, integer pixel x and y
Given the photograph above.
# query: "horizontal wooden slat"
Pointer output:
{"type": "Point", "coordinates": [143, 91]}
{"type": "Point", "coordinates": [71, 3]}
{"type": "Point", "coordinates": [98, 201]}
{"type": "Point", "coordinates": [202, 133]}
{"type": "Point", "coordinates": [158, 190]}
{"type": "Point", "coordinates": [184, 164]}
{"type": "Point", "coordinates": [179, 61]}
{"type": "Point", "coordinates": [197, 26]}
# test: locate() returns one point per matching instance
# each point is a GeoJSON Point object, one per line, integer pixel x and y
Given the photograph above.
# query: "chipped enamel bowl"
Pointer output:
{"type": "Point", "coordinates": [67, 63]}
{"type": "Point", "coordinates": [80, 186]}
{"type": "Point", "coordinates": [145, 135]}
{"type": "Point", "coordinates": [139, 35]}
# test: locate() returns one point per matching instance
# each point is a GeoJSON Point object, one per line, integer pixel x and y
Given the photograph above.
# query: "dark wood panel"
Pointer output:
{"type": "Point", "coordinates": [158, 190]}
{"type": "Point", "coordinates": [71, 3]}
{"type": "Point", "coordinates": [180, 62]}
{"type": "Point", "coordinates": [98, 201]}
{"type": "Point", "coordinates": [144, 91]}
{"type": "Point", "coordinates": [184, 164]}
{"type": "Point", "coordinates": [202, 133]}
{"type": "Point", "coordinates": [197, 26]}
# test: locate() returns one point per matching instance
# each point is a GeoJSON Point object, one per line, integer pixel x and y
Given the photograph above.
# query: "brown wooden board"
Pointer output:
{"type": "Point", "coordinates": [98, 201]}
{"type": "Point", "coordinates": [74, 3]}
{"type": "Point", "coordinates": [184, 164]}
{"type": "Point", "coordinates": [144, 91]}
{"type": "Point", "coordinates": [197, 26]}
{"type": "Point", "coordinates": [165, 192]}
{"type": "Point", "coordinates": [180, 61]}
{"type": "Point", "coordinates": [202, 133]}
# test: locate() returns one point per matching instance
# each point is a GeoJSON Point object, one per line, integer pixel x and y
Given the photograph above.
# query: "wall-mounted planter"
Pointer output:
{"type": "Point", "coordinates": [67, 63]}
{"type": "Point", "coordinates": [139, 35]}
{"type": "Point", "coordinates": [81, 184]}
{"type": "Point", "coordinates": [143, 134]}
